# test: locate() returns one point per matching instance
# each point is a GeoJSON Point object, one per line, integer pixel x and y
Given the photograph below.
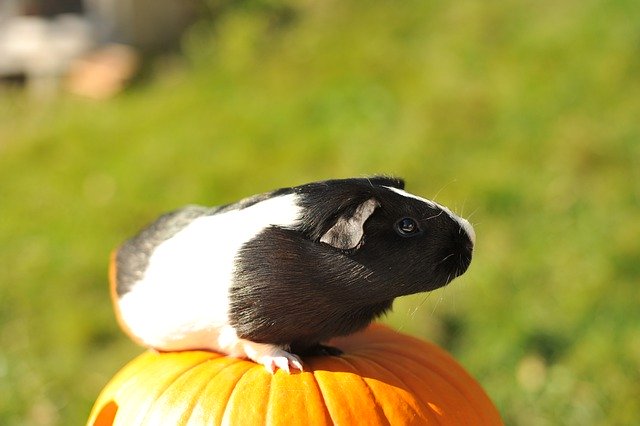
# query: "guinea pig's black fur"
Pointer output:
{"type": "Point", "coordinates": [291, 289]}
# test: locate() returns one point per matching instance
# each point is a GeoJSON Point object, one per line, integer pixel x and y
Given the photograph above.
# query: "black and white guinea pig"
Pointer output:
{"type": "Point", "coordinates": [277, 274]}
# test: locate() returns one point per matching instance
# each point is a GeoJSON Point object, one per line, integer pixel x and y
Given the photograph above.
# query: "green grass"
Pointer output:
{"type": "Point", "coordinates": [522, 115]}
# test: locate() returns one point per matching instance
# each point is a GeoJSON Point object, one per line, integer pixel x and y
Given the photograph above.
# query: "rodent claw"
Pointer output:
{"type": "Point", "coordinates": [272, 357]}
{"type": "Point", "coordinates": [285, 362]}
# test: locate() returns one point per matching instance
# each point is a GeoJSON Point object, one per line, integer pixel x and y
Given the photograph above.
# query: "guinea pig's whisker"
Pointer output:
{"type": "Point", "coordinates": [442, 189]}
{"type": "Point", "coordinates": [413, 312]}
{"type": "Point", "coordinates": [434, 216]}
{"type": "Point", "coordinates": [441, 298]}
{"type": "Point", "coordinates": [464, 205]}
{"type": "Point", "coordinates": [471, 214]}
{"type": "Point", "coordinates": [444, 260]}
{"type": "Point", "coordinates": [435, 305]}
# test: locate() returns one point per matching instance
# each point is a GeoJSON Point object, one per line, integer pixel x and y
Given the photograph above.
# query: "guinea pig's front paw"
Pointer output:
{"type": "Point", "coordinates": [272, 356]}
{"type": "Point", "coordinates": [285, 361]}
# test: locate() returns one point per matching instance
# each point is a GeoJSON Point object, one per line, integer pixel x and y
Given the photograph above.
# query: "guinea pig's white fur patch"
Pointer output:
{"type": "Point", "coordinates": [175, 304]}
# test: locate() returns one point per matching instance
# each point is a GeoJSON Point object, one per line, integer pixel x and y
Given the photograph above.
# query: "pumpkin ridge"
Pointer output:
{"type": "Point", "coordinates": [445, 377]}
{"type": "Point", "coordinates": [226, 413]}
{"type": "Point", "coordinates": [437, 355]}
{"type": "Point", "coordinates": [405, 384]}
{"type": "Point", "coordinates": [399, 377]}
{"type": "Point", "coordinates": [169, 384]}
{"type": "Point", "coordinates": [322, 397]}
{"type": "Point", "coordinates": [209, 408]}
{"type": "Point", "coordinates": [425, 410]}
{"type": "Point", "coordinates": [120, 380]}
{"type": "Point", "coordinates": [378, 405]}
{"type": "Point", "coordinates": [331, 371]}
{"type": "Point", "coordinates": [164, 373]}
{"type": "Point", "coordinates": [194, 401]}
{"type": "Point", "coordinates": [321, 394]}
{"type": "Point", "coordinates": [452, 377]}
{"type": "Point", "coordinates": [269, 399]}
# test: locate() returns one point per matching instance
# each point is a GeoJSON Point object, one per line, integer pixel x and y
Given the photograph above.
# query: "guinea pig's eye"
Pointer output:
{"type": "Point", "coordinates": [407, 226]}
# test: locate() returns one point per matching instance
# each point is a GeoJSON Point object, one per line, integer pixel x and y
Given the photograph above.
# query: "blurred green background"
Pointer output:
{"type": "Point", "coordinates": [523, 116]}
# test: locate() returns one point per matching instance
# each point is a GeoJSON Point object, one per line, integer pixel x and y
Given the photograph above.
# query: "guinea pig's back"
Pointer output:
{"type": "Point", "coordinates": [131, 259]}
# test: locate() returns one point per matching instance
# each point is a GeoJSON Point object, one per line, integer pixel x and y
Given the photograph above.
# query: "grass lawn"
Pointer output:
{"type": "Point", "coordinates": [523, 116]}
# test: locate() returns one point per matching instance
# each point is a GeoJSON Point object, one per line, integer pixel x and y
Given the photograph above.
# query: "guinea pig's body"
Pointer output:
{"type": "Point", "coordinates": [280, 273]}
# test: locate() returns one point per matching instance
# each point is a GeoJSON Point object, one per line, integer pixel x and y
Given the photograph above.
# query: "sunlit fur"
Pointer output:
{"type": "Point", "coordinates": [282, 272]}
{"type": "Point", "coordinates": [182, 300]}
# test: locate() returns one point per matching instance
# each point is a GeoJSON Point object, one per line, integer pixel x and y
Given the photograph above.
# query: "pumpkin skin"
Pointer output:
{"type": "Point", "coordinates": [383, 377]}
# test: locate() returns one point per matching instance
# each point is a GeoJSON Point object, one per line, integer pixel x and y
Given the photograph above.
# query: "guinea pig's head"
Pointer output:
{"type": "Point", "coordinates": [409, 243]}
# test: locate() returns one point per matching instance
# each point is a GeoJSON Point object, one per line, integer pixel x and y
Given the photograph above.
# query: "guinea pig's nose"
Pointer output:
{"type": "Point", "coordinates": [468, 228]}
{"type": "Point", "coordinates": [469, 245]}
{"type": "Point", "coordinates": [465, 258]}
{"type": "Point", "coordinates": [465, 246]}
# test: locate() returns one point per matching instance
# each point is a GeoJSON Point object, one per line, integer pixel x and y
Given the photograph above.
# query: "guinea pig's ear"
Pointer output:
{"type": "Point", "coordinates": [348, 230]}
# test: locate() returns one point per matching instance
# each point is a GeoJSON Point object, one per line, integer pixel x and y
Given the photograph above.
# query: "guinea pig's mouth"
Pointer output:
{"type": "Point", "coordinates": [456, 269]}
{"type": "Point", "coordinates": [457, 261]}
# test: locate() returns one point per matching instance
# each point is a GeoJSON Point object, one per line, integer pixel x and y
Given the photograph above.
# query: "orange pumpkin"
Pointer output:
{"type": "Point", "coordinates": [383, 377]}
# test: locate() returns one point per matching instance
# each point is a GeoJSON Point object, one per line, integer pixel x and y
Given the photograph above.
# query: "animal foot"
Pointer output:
{"type": "Point", "coordinates": [272, 357]}
{"type": "Point", "coordinates": [284, 362]}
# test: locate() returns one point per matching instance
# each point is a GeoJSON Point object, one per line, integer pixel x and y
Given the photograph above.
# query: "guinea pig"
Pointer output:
{"type": "Point", "coordinates": [276, 275]}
